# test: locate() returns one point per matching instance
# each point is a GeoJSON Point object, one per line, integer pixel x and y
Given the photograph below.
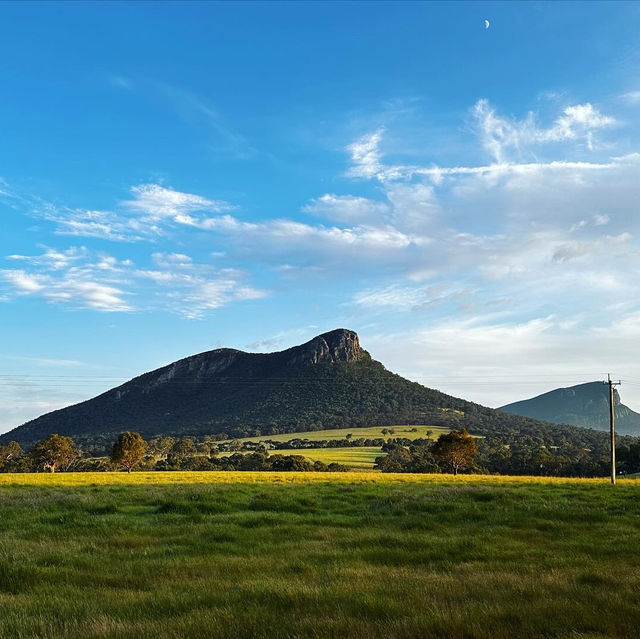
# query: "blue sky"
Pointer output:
{"type": "Point", "coordinates": [175, 177]}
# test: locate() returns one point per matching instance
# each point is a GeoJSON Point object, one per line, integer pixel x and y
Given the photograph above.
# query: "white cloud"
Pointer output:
{"type": "Point", "coordinates": [520, 236]}
{"type": "Point", "coordinates": [22, 281]}
{"type": "Point", "coordinates": [499, 362]}
{"type": "Point", "coordinates": [415, 206]}
{"type": "Point", "coordinates": [101, 282]}
{"type": "Point", "coordinates": [52, 257]}
{"type": "Point", "coordinates": [497, 133]}
{"type": "Point", "coordinates": [347, 208]}
{"type": "Point", "coordinates": [366, 156]}
{"type": "Point", "coordinates": [501, 135]}
{"type": "Point", "coordinates": [408, 298]}
{"type": "Point", "coordinates": [105, 225]}
{"type": "Point", "coordinates": [212, 294]}
{"type": "Point", "coordinates": [151, 213]}
{"type": "Point", "coordinates": [285, 238]}
{"type": "Point", "coordinates": [603, 246]}
{"type": "Point", "coordinates": [497, 137]}
{"type": "Point", "coordinates": [576, 120]}
{"type": "Point", "coordinates": [43, 361]}
{"type": "Point", "coordinates": [98, 296]}
{"type": "Point", "coordinates": [170, 259]}
{"type": "Point", "coordinates": [631, 97]}
{"type": "Point", "coordinates": [157, 202]}
{"type": "Point", "coordinates": [68, 287]}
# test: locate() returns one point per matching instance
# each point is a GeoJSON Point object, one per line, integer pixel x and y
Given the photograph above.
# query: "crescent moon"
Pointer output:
{"type": "Point", "coordinates": [486, 24]}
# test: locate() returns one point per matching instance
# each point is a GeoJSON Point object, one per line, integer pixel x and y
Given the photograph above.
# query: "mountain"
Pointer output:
{"type": "Point", "coordinates": [329, 382]}
{"type": "Point", "coordinates": [581, 405]}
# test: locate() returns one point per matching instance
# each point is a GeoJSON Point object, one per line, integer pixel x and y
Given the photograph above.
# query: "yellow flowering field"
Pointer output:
{"type": "Point", "coordinates": [234, 477]}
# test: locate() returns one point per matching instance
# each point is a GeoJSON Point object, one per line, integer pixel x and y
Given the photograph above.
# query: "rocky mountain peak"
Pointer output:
{"type": "Point", "coordinates": [339, 345]}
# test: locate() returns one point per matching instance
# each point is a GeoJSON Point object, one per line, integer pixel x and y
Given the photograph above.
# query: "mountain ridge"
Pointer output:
{"type": "Point", "coordinates": [585, 405]}
{"type": "Point", "coordinates": [328, 382]}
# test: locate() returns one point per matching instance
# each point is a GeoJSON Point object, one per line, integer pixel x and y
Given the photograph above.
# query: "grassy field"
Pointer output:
{"type": "Point", "coordinates": [341, 433]}
{"type": "Point", "coordinates": [356, 458]}
{"type": "Point", "coordinates": [168, 555]}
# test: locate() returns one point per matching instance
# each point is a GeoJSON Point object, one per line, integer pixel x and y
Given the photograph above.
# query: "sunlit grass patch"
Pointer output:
{"type": "Point", "coordinates": [371, 432]}
{"type": "Point", "coordinates": [355, 458]}
{"type": "Point", "coordinates": [120, 480]}
{"type": "Point", "coordinates": [357, 554]}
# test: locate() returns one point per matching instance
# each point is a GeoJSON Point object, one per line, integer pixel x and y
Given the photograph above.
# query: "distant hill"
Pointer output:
{"type": "Point", "coordinates": [582, 405]}
{"type": "Point", "coordinates": [329, 382]}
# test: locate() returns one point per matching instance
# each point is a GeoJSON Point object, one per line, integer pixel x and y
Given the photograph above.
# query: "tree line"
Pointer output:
{"type": "Point", "coordinates": [457, 451]}
{"type": "Point", "coordinates": [59, 453]}
{"type": "Point", "coordinates": [509, 454]}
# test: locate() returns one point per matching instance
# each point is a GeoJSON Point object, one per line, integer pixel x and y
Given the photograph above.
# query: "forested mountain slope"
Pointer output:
{"type": "Point", "coordinates": [329, 382]}
{"type": "Point", "coordinates": [582, 405]}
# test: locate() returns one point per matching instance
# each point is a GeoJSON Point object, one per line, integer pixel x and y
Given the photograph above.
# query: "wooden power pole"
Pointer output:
{"type": "Point", "coordinates": [612, 425]}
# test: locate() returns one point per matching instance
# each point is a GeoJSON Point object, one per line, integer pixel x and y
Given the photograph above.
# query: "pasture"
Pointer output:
{"type": "Point", "coordinates": [370, 432]}
{"type": "Point", "coordinates": [183, 554]}
{"type": "Point", "coordinates": [354, 458]}
{"type": "Point", "coordinates": [357, 458]}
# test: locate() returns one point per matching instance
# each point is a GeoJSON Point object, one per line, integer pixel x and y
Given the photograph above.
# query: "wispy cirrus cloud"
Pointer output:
{"type": "Point", "coordinates": [53, 258]}
{"type": "Point", "coordinates": [150, 213]}
{"type": "Point", "coordinates": [507, 141]}
{"type": "Point", "coordinates": [98, 281]}
{"type": "Point", "coordinates": [631, 97]}
{"type": "Point", "coordinates": [528, 245]}
{"type": "Point", "coordinates": [502, 230]}
{"type": "Point", "coordinates": [411, 298]}
{"type": "Point", "coordinates": [200, 113]}
{"type": "Point", "coordinates": [346, 208]}
{"type": "Point", "coordinates": [366, 157]}
{"type": "Point", "coordinates": [154, 202]}
{"type": "Point", "coordinates": [43, 361]}
{"type": "Point", "coordinates": [501, 135]}
{"type": "Point", "coordinates": [195, 110]}
{"type": "Point", "coordinates": [70, 287]}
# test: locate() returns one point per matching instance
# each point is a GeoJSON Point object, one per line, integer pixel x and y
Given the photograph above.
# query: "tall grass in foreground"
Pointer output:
{"type": "Point", "coordinates": [159, 555]}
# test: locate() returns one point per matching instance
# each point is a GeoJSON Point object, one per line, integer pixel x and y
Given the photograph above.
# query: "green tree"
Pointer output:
{"type": "Point", "coordinates": [11, 451]}
{"type": "Point", "coordinates": [55, 452]}
{"type": "Point", "coordinates": [9, 454]}
{"type": "Point", "coordinates": [160, 446]}
{"type": "Point", "coordinates": [129, 450]}
{"type": "Point", "coordinates": [181, 450]}
{"type": "Point", "coordinates": [456, 448]}
{"type": "Point", "coordinates": [396, 461]}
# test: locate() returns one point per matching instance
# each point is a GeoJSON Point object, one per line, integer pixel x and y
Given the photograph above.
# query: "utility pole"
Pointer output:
{"type": "Point", "coordinates": [612, 425]}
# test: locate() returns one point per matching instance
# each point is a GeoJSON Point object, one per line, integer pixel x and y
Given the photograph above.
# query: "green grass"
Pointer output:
{"type": "Point", "coordinates": [358, 555]}
{"type": "Point", "coordinates": [357, 458]}
{"type": "Point", "coordinates": [341, 433]}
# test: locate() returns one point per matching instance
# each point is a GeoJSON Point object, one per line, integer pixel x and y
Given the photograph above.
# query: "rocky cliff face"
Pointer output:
{"type": "Point", "coordinates": [341, 345]}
